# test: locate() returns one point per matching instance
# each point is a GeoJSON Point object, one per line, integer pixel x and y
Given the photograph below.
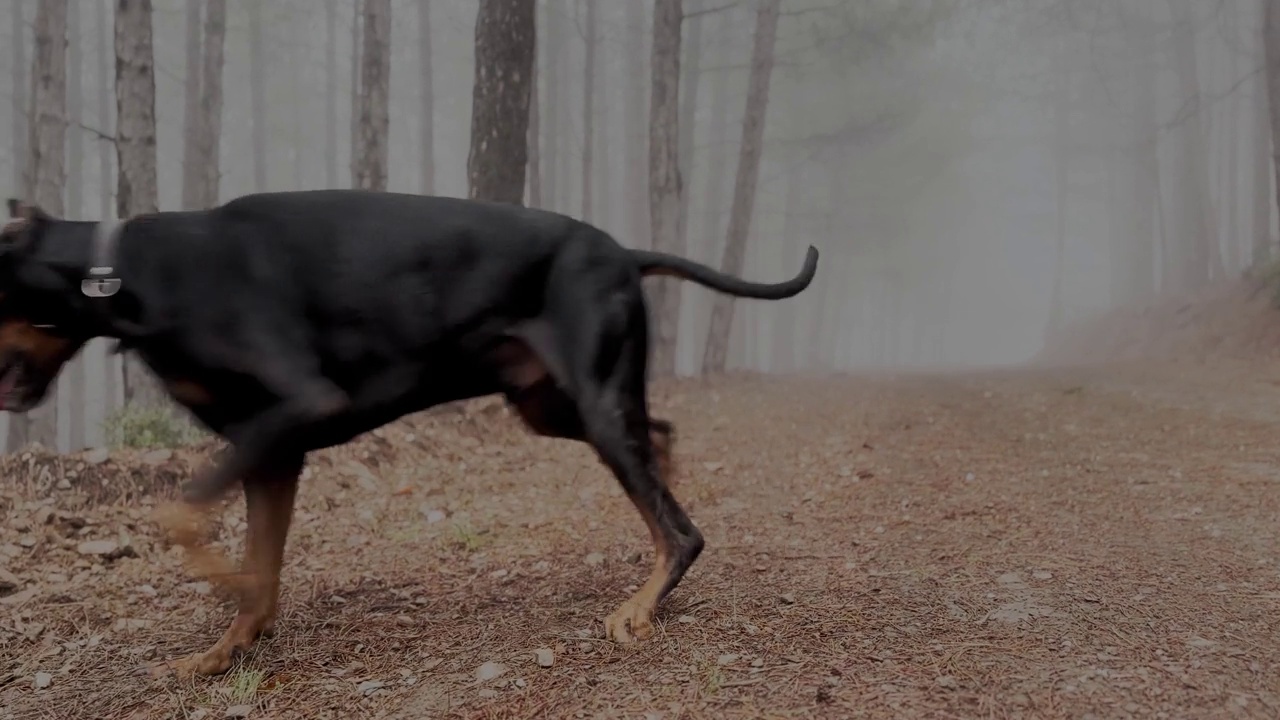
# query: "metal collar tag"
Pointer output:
{"type": "Point", "coordinates": [104, 283]}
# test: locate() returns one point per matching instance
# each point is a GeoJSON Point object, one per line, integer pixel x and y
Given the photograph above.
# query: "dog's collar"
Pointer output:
{"type": "Point", "coordinates": [103, 281]}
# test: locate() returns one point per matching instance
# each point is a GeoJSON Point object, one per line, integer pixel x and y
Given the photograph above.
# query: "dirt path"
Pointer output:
{"type": "Point", "coordinates": [1063, 544]}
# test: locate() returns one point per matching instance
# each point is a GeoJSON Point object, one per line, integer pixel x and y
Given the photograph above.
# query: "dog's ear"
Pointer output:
{"type": "Point", "coordinates": [24, 228]}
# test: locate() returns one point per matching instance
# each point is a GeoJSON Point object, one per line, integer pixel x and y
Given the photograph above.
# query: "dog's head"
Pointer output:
{"type": "Point", "coordinates": [38, 332]}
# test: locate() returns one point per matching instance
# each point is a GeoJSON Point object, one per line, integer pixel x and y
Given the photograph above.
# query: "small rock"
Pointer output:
{"type": "Point", "coordinates": [127, 624]}
{"type": "Point", "coordinates": [1010, 578]}
{"type": "Point", "coordinates": [238, 711]}
{"type": "Point", "coordinates": [102, 548]}
{"type": "Point", "coordinates": [946, 681]}
{"type": "Point", "coordinates": [157, 457]}
{"type": "Point", "coordinates": [595, 559]}
{"type": "Point", "coordinates": [63, 484]}
{"type": "Point", "coordinates": [488, 693]}
{"type": "Point", "coordinates": [200, 587]}
{"type": "Point", "coordinates": [727, 659]}
{"type": "Point", "coordinates": [520, 683]}
{"type": "Point", "coordinates": [369, 687]}
{"type": "Point", "coordinates": [432, 515]}
{"type": "Point", "coordinates": [43, 680]}
{"type": "Point", "coordinates": [198, 714]}
{"type": "Point", "coordinates": [97, 456]}
{"type": "Point", "coordinates": [757, 663]}
{"type": "Point", "coordinates": [27, 541]}
{"type": "Point", "coordinates": [8, 582]}
{"type": "Point", "coordinates": [490, 671]}
{"type": "Point", "coordinates": [686, 619]}
{"type": "Point", "coordinates": [633, 558]}
{"type": "Point", "coordinates": [544, 657]}
{"type": "Point", "coordinates": [148, 591]}
{"type": "Point", "coordinates": [499, 573]}
{"type": "Point", "coordinates": [1042, 575]}
{"type": "Point", "coordinates": [788, 598]}
{"type": "Point", "coordinates": [405, 620]}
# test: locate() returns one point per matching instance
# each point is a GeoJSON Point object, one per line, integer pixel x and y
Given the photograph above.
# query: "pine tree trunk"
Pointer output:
{"type": "Point", "coordinates": [331, 94]}
{"type": "Point", "coordinates": [1271, 45]}
{"type": "Point", "coordinates": [1261, 155]}
{"type": "Point", "coordinates": [427, 127]}
{"type": "Point", "coordinates": [46, 157]}
{"type": "Point", "coordinates": [375, 76]}
{"type": "Point", "coordinates": [588, 111]}
{"type": "Point", "coordinates": [636, 187]}
{"type": "Point", "coordinates": [1062, 176]}
{"type": "Point", "coordinates": [73, 376]}
{"type": "Point", "coordinates": [209, 115]}
{"type": "Point", "coordinates": [552, 50]}
{"type": "Point", "coordinates": [714, 358]}
{"type": "Point", "coordinates": [106, 119]}
{"type": "Point", "coordinates": [192, 173]}
{"type": "Point", "coordinates": [258, 96]}
{"type": "Point", "coordinates": [533, 140]}
{"type": "Point", "coordinates": [136, 148]}
{"type": "Point", "coordinates": [19, 80]}
{"type": "Point", "coordinates": [505, 47]}
{"type": "Point", "coordinates": [692, 69]}
{"type": "Point", "coordinates": [664, 177]}
{"type": "Point", "coordinates": [1201, 259]}
{"type": "Point", "coordinates": [356, 92]}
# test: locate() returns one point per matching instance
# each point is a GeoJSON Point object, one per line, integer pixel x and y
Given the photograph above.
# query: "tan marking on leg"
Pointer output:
{"type": "Point", "coordinates": [186, 525]}
{"type": "Point", "coordinates": [269, 506]}
{"type": "Point", "coordinates": [663, 449]}
{"type": "Point", "coordinates": [633, 620]}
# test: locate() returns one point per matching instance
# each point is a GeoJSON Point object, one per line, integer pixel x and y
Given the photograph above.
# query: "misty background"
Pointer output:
{"type": "Point", "coordinates": [975, 173]}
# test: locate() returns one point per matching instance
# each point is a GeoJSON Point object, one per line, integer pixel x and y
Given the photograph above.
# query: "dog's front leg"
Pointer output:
{"type": "Point", "coordinates": [269, 497]}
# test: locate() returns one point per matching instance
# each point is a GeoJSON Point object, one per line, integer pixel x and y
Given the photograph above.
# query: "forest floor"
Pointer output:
{"type": "Point", "coordinates": [1020, 543]}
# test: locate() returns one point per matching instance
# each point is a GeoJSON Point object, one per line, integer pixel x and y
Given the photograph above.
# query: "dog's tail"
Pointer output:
{"type": "Point", "coordinates": [662, 264]}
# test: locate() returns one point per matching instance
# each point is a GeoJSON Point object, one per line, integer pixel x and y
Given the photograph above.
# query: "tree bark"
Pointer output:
{"type": "Point", "coordinates": [331, 94]}
{"type": "Point", "coordinates": [46, 160]}
{"type": "Point", "coordinates": [533, 140]}
{"type": "Point", "coordinates": [106, 118]}
{"type": "Point", "coordinates": [209, 114]}
{"type": "Point", "coordinates": [74, 374]}
{"type": "Point", "coordinates": [553, 49]}
{"type": "Point", "coordinates": [375, 76]}
{"type": "Point", "coordinates": [588, 111]}
{"type": "Point", "coordinates": [136, 148]}
{"type": "Point", "coordinates": [664, 177]}
{"type": "Point", "coordinates": [715, 356]}
{"type": "Point", "coordinates": [1271, 47]}
{"type": "Point", "coordinates": [713, 193]}
{"type": "Point", "coordinates": [1146, 179]}
{"type": "Point", "coordinates": [692, 69]}
{"type": "Point", "coordinates": [105, 32]}
{"type": "Point", "coordinates": [1202, 259]}
{"type": "Point", "coordinates": [258, 96]}
{"type": "Point", "coordinates": [505, 46]}
{"type": "Point", "coordinates": [355, 90]}
{"type": "Point", "coordinates": [1261, 231]}
{"type": "Point", "coordinates": [19, 423]}
{"type": "Point", "coordinates": [427, 120]}
{"type": "Point", "coordinates": [192, 173]}
{"type": "Point", "coordinates": [784, 320]}
{"type": "Point", "coordinates": [1062, 176]}
{"type": "Point", "coordinates": [20, 78]}
{"type": "Point", "coordinates": [636, 187]}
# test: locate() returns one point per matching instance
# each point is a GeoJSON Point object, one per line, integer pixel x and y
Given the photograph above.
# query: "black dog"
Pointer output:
{"type": "Point", "coordinates": [290, 322]}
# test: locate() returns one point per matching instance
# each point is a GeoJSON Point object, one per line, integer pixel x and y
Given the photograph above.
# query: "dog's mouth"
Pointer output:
{"type": "Point", "coordinates": [15, 385]}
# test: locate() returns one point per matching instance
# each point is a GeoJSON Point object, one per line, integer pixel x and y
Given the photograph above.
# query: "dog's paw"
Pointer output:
{"type": "Point", "coordinates": [632, 621]}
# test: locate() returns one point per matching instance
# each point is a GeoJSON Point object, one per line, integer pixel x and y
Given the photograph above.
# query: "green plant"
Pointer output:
{"type": "Point", "coordinates": [149, 426]}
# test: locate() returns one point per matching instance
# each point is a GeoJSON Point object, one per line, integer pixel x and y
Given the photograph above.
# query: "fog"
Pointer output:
{"type": "Point", "coordinates": [975, 173]}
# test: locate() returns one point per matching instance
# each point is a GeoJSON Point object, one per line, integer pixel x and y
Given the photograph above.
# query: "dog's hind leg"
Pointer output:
{"type": "Point", "coordinates": [269, 498]}
{"type": "Point", "coordinates": [610, 392]}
